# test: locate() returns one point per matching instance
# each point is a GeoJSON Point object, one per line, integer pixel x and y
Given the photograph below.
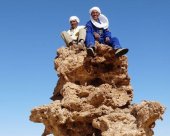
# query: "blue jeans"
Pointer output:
{"type": "Point", "coordinates": [114, 43]}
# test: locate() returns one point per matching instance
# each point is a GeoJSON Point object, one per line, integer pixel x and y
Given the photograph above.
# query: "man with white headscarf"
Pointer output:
{"type": "Point", "coordinates": [76, 34]}
{"type": "Point", "coordinates": [97, 30]}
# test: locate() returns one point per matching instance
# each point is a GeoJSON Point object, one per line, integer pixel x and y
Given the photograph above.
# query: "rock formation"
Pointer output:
{"type": "Point", "coordinates": [93, 98]}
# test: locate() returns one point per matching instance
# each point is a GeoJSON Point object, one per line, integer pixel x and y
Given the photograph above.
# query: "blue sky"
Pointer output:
{"type": "Point", "coordinates": [30, 35]}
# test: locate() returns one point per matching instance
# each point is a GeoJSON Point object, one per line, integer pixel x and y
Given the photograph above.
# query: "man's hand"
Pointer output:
{"type": "Point", "coordinates": [107, 40]}
{"type": "Point", "coordinates": [96, 36]}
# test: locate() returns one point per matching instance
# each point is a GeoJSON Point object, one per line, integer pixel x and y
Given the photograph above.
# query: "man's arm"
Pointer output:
{"type": "Point", "coordinates": [107, 36]}
{"type": "Point", "coordinates": [107, 33]}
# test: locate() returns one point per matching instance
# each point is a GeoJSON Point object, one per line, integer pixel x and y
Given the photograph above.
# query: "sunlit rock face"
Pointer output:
{"type": "Point", "coordinates": [93, 98]}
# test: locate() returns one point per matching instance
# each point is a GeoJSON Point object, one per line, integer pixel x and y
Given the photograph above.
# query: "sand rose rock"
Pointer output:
{"type": "Point", "coordinates": [93, 98]}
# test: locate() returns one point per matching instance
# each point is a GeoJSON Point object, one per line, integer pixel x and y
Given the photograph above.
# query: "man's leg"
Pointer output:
{"type": "Point", "coordinates": [90, 42]}
{"type": "Point", "coordinates": [81, 38]}
{"type": "Point", "coordinates": [116, 45]}
{"type": "Point", "coordinates": [66, 37]}
{"type": "Point", "coordinates": [114, 42]}
{"type": "Point", "coordinates": [82, 34]}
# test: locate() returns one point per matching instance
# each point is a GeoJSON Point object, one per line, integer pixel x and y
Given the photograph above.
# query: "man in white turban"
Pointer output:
{"type": "Point", "coordinates": [76, 34]}
{"type": "Point", "coordinates": [97, 30]}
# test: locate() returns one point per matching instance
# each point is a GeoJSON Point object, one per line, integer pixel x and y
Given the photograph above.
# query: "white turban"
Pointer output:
{"type": "Point", "coordinates": [94, 8]}
{"type": "Point", "coordinates": [104, 22]}
{"type": "Point", "coordinates": [74, 18]}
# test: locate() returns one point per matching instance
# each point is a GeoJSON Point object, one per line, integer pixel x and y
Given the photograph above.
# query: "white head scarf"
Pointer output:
{"type": "Point", "coordinates": [94, 8]}
{"type": "Point", "coordinates": [104, 22]}
{"type": "Point", "coordinates": [74, 18]}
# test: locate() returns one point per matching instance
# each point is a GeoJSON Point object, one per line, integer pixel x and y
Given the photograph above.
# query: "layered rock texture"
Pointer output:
{"type": "Point", "coordinates": [93, 98]}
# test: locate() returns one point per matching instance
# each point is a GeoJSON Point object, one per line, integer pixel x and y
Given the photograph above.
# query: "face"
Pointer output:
{"type": "Point", "coordinates": [95, 14]}
{"type": "Point", "coordinates": [73, 24]}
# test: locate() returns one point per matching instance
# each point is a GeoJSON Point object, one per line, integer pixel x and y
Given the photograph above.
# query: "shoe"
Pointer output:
{"type": "Point", "coordinates": [72, 45]}
{"type": "Point", "coordinates": [81, 45]}
{"type": "Point", "coordinates": [90, 52]}
{"type": "Point", "coordinates": [120, 52]}
{"type": "Point", "coordinates": [81, 42]}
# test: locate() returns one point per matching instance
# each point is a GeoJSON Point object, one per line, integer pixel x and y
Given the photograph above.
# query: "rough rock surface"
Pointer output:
{"type": "Point", "coordinates": [93, 98]}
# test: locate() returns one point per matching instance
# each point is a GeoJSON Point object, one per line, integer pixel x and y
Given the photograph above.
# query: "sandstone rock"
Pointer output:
{"type": "Point", "coordinates": [146, 113]}
{"type": "Point", "coordinates": [93, 98]}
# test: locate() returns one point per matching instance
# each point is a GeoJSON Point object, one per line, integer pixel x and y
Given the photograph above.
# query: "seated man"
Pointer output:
{"type": "Point", "coordinates": [97, 29]}
{"type": "Point", "coordinates": [76, 34]}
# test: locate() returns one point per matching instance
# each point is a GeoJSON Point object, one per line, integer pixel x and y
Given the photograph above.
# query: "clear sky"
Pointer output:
{"type": "Point", "coordinates": [30, 35]}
